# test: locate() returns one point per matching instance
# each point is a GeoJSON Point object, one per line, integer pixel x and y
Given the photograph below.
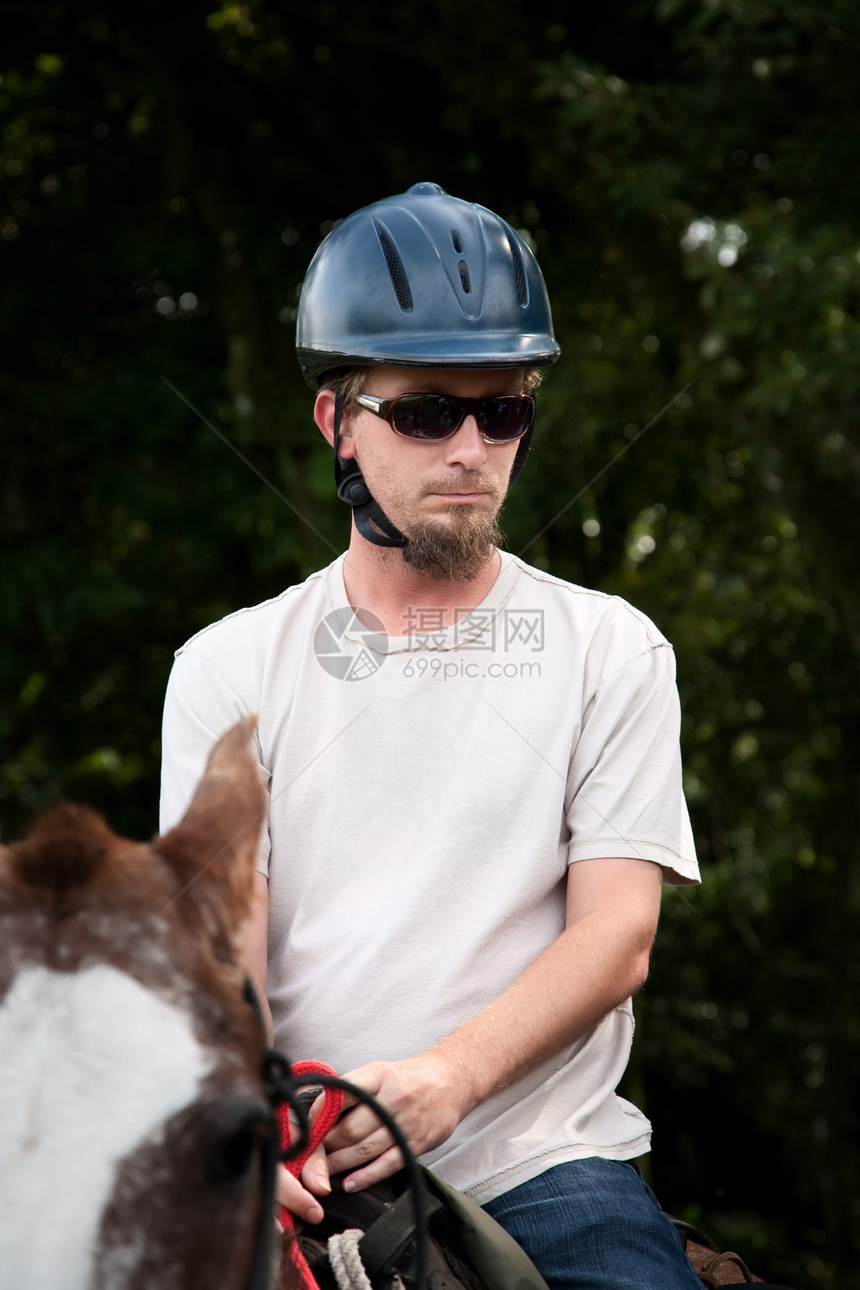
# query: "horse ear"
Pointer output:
{"type": "Point", "coordinates": [212, 850]}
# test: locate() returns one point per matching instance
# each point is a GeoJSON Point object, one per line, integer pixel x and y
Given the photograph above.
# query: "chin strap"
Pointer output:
{"type": "Point", "coordinates": [522, 452]}
{"type": "Point", "coordinates": [370, 519]}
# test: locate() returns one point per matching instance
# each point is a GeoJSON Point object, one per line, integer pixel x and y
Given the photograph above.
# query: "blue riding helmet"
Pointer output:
{"type": "Point", "coordinates": [420, 280]}
{"type": "Point", "coordinates": [423, 280]}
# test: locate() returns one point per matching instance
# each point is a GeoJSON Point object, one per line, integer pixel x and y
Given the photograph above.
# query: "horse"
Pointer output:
{"type": "Point", "coordinates": [135, 1121]}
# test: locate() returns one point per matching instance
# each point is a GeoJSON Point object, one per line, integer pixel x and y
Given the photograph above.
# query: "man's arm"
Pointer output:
{"type": "Point", "coordinates": [253, 946]}
{"type": "Point", "coordinates": [598, 961]}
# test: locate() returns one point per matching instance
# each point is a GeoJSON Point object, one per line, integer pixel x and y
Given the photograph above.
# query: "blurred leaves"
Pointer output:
{"type": "Point", "coordinates": [687, 174]}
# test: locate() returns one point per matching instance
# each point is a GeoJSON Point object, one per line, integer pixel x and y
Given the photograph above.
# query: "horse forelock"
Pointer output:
{"type": "Point", "coordinates": [72, 893]}
{"type": "Point", "coordinates": [65, 851]}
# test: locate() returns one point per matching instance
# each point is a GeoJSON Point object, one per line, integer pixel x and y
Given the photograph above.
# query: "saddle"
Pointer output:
{"type": "Point", "coordinates": [716, 1267]}
{"type": "Point", "coordinates": [367, 1241]}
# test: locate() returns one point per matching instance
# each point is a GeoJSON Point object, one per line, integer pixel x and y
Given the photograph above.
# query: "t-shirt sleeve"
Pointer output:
{"type": "Point", "coordinates": [625, 795]}
{"type": "Point", "coordinates": [200, 705]}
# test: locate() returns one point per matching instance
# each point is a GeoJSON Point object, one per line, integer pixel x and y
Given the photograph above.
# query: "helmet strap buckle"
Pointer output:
{"type": "Point", "coordinates": [370, 519]}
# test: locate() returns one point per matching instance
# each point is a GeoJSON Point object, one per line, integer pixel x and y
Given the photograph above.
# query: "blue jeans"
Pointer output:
{"type": "Point", "coordinates": [595, 1225]}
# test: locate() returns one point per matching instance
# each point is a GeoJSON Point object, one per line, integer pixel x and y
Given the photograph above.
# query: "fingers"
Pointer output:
{"type": "Point", "coordinates": [358, 1129]}
{"type": "Point", "coordinates": [353, 1127]}
{"type": "Point", "coordinates": [355, 1152]}
{"type": "Point", "coordinates": [316, 1172]}
{"type": "Point", "coordinates": [293, 1196]}
{"type": "Point", "coordinates": [382, 1167]}
{"type": "Point", "coordinates": [359, 1142]}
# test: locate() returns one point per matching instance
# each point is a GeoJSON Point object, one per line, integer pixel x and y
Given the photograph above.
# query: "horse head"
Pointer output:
{"type": "Point", "coordinates": [133, 1116]}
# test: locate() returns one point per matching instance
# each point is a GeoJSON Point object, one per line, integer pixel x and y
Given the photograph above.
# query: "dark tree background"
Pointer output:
{"type": "Point", "coordinates": [688, 174]}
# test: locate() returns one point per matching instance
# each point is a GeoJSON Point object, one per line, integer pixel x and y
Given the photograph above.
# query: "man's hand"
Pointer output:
{"type": "Point", "coordinates": [425, 1097]}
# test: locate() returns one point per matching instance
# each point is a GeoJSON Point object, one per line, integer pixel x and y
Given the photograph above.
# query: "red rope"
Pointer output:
{"type": "Point", "coordinates": [327, 1118]}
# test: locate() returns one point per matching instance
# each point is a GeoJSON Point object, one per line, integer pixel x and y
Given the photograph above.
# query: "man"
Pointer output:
{"type": "Point", "coordinates": [474, 767]}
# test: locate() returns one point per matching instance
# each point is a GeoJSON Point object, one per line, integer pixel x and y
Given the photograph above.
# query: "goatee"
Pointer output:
{"type": "Point", "coordinates": [455, 553]}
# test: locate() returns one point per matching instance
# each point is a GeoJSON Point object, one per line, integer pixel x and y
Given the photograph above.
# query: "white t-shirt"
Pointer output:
{"type": "Point", "coordinates": [427, 795]}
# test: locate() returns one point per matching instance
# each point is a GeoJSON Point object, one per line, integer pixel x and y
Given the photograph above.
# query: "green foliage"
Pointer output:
{"type": "Point", "coordinates": [686, 173]}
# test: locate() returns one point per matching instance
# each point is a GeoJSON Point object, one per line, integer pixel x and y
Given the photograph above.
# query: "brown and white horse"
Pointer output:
{"type": "Point", "coordinates": [133, 1115]}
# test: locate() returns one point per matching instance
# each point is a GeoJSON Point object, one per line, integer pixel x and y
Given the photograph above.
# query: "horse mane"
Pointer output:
{"type": "Point", "coordinates": [65, 851]}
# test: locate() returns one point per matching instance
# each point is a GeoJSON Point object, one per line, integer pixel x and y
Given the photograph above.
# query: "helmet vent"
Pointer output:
{"type": "Point", "coordinates": [465, 280]}
{"type": "Point", "coordinates": [519, 274]}
{"type": "Point", "coordinates": [455, 241]}
{"type": "Point", "coordinates": [395, 268]}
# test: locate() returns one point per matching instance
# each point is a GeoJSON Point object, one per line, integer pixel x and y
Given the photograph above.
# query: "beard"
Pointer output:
{"type": "Point", "coordinates": [455, 553]}
{"type": "Point", "coordinates": [453, 545]}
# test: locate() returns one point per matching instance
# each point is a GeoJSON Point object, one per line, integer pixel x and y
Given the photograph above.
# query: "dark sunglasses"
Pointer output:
{"type": "Point", "coordinates": [434, 417]}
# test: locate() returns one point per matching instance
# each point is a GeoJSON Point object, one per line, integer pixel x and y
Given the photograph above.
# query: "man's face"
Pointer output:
{"type": "Point", "coordinates": [445, 497]}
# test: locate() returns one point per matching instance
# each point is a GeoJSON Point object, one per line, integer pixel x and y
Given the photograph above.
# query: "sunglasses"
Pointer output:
{"type": "Point", "coordinates": [433, 417]}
